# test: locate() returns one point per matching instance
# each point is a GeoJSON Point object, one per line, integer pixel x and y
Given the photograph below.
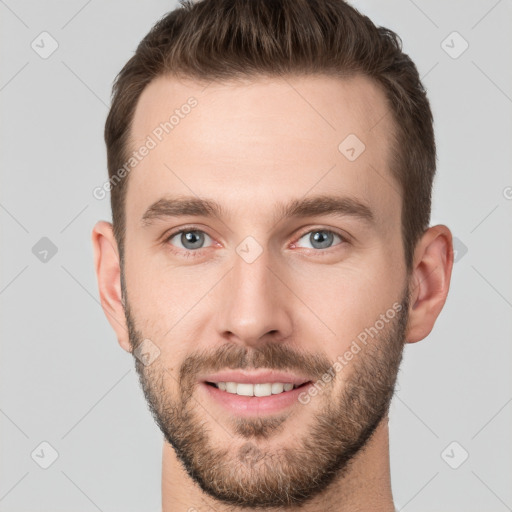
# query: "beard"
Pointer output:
{"type": "Point", "coordinates": [242, 470]}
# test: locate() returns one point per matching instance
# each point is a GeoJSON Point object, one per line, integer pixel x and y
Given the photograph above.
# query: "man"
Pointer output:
{"type": "Point", "coordinates": [271, 166]}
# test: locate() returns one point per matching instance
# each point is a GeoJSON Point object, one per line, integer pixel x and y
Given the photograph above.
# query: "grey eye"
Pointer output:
{"type": "Point", "coordinates": [190, 239]}
{"type": "Point", "coordinates": [320, 238]}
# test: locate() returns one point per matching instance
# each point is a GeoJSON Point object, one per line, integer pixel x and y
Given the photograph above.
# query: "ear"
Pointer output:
{"type": "Point", "coordinates": [108, 274]}
{"type": "Point", "coordinates": [430, 281]}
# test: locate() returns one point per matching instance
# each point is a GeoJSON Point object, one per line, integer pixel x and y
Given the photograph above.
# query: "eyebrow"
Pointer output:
{"type": "Point", "coordinates": [180, 206]}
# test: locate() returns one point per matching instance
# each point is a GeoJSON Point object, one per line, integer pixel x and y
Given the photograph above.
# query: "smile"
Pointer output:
{"type": "Point", "coordinates": [246, 399]}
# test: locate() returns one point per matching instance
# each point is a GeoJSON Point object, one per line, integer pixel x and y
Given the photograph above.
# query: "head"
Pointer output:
{"type": "Point", "coordinates": [264, 125]}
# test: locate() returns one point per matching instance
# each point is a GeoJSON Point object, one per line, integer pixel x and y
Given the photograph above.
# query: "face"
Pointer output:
{"type": "Point", "coordinates": [292, 273]}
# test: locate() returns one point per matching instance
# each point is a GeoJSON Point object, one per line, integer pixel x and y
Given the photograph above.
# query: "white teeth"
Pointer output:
{"type": "Point", "coordinates": [244, 389]}
{"type": "Point", "coordinates": [231, 387]}
{"type": "Point", "coordinates": [277, 387]}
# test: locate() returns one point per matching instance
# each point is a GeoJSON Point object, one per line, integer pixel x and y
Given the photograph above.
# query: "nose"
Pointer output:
{"type": "Point", "coordinates": [255, 302]}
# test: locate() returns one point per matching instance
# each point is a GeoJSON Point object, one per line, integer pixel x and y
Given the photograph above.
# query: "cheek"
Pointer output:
{"type": "Point", "coordinates": [348, 298]}
{"type": "Point", "coordinates": [171, 306]}
{"type": "Point", "coordinates": [156, 299]}
{"type": "Point", "coordinates": [153, 282]}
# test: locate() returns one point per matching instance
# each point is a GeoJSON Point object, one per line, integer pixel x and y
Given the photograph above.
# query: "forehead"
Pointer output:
{"type": "Point", "coordinates": [253, 143]}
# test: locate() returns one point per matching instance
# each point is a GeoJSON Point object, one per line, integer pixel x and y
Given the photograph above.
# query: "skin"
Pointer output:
{"type": "Point", "coordinates": [249, 146]}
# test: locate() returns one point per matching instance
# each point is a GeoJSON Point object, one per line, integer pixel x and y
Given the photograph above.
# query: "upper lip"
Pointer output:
{"type": "Point", "coordinates": [255, 377]}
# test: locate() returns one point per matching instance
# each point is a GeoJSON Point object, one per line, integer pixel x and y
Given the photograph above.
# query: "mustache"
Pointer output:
{"type": "Point", "coordinates": [270, 356]}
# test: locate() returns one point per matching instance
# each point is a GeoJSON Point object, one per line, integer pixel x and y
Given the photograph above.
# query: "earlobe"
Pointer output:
{"type": "Point", "coordinates": [108, 274]}
{"type": "Point", "coordinates": [430, 281]}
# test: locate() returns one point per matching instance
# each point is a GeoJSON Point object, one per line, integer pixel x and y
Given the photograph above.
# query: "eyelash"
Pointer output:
{"type": "Point", "coordinates": [195, 253]}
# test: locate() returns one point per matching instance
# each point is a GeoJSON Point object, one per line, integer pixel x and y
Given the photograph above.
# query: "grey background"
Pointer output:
{"type": "Point", "coordinates": [64, 379]}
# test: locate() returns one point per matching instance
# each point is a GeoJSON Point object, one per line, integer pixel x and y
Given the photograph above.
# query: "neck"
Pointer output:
{"type": "Point", "coordinates": [366, 485]}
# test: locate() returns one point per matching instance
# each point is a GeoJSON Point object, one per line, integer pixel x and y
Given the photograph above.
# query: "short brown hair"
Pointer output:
{"type": "Point", "coordinates": [229, 39]}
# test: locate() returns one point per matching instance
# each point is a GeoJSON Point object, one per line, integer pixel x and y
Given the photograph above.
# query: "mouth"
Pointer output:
{"type": "Point", "coordinates": [257, 389]}
{"type": "Point", "coordinates": [254, 399]}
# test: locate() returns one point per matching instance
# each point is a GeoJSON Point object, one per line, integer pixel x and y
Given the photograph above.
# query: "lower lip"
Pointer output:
{"type": "Point", "coordinates": [255, 405]}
